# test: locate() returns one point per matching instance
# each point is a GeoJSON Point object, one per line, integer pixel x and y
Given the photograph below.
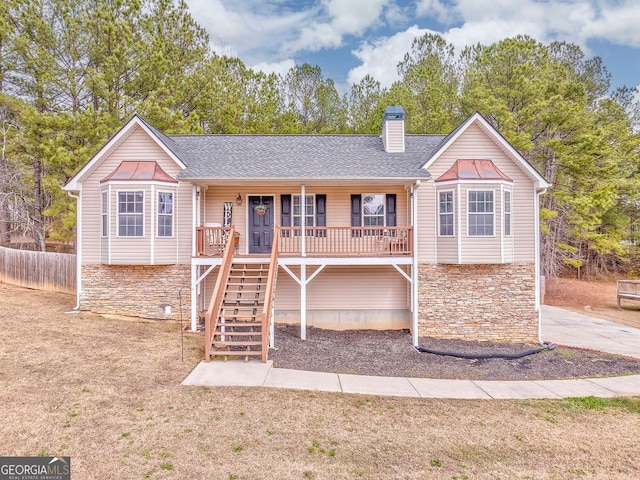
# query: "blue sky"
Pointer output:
{"type": "Point", "coordinates": [351, 38]}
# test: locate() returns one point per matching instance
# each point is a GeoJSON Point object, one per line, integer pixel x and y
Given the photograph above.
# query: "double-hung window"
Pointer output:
{"type": "Point", "coordinates": [104, 213]}
{"type": "Point", "coordinates": [507, 213]}
{"type": "Point", "coordinates": [165, 214]}
{"type": "Point", "coordinates": [131, 214]}
{"type": "Point", "coordinates": [445, 210]}
{"type": "Point", "coordinates": [313, 211]}
{"type": "Point", "coordinates": [306, 211]}
{"type": "Point", "coordinates": [481, 210]}
{"type": "Point", "coordinates": [373, 210]}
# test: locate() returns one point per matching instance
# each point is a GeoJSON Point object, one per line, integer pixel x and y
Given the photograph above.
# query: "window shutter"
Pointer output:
{"type": "Point", "coordinates": [285, 210]}
{"type": "Point", "coordinates": [391, 210]}
{"type": "Point", "coordinates": [356, 214]}
{"type": "Point", "coordinates": [321, 210]}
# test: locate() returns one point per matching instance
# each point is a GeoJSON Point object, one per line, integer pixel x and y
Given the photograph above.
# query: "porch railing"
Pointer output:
{"type": "Point", "coordinates": [267, 309]}
{"type": "Point", "coordinates": [345, 241]}
{"type": "Point", "coordinates": [211, 317]}
{"type": "Point", "coordinates": [211, 241]}
{"type": "Point", "coordinates": [320, 241]}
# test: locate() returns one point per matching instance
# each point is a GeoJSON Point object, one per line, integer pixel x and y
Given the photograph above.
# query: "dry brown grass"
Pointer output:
{"type": "Point", "coordinates": [595, 297]}
{"type": "Point", "coordinates": [107, 393]}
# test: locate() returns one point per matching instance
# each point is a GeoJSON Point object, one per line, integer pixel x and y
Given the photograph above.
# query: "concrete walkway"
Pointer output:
{"type": "Point", "coordinates": [558, 326]}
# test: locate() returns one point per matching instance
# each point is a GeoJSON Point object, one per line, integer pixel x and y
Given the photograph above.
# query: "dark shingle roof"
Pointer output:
{"type": "Point", "coordinates": [301, 156]}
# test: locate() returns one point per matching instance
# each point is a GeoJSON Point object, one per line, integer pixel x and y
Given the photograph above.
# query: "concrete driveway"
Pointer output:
{"type": "Point", "coordinates": [572, 329]}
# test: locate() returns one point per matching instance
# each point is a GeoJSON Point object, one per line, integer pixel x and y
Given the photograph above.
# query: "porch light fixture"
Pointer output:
{"type": "Point", "coordinates": [239, 199]}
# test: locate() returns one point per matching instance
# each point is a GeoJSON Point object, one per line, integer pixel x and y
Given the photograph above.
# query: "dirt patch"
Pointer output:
{"type": "Point", "coordinates": [596, 298]}
{"type": "Point", "coordinates": [391, 353]}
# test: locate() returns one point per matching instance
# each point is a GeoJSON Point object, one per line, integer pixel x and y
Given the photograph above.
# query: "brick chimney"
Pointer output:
{"type": "Point", "coordinates": [393, 130]}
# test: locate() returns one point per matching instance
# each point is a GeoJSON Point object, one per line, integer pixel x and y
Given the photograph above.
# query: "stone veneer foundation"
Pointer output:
{"type": "Point", "coordinates": [478, 302]}
{"type": "Point", "coordinates": [136, 290]}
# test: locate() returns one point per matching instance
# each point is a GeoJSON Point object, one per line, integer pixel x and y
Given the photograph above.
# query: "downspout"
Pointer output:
{"type": "Point", "coordinates": [152, 225]}
{"type": "Point", "coordinates": [195, 290]}
{"type": "Point", "coordinates": [414, 284]}
{"type": "Point", "coordinates": [76, 309]}
{"type": "Point", "coordinates": [536, 196]}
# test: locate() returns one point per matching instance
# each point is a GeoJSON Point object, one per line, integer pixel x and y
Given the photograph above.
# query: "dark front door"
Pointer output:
{"type": "Point", "coordinates": [260, 224]}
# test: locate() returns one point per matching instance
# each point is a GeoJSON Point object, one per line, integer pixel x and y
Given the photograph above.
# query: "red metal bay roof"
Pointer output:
{"type": "Point", "coordinates": [473, 170]}
{"type": "Point", "coordinates": [139, 172]}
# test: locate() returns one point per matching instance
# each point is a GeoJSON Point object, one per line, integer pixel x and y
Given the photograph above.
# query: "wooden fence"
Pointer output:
{"type": "Point", "coordinates": [40, 270]}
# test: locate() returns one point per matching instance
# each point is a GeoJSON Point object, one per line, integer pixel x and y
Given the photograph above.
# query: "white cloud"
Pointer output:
{"type": "Point", "coordinates": [280, 68]}
{"type": "Point", "coordinates": [250, 29]}
{"type": "Point", "coordinates": [354, 16]}
{"type": "Point", "coordinates": [435, 9]}
{"type": "Point", "coordinates": [380, 58]}
{"type": "Point", "coordinates": [343, 17]}
{"type": "Point", "coordinates": [618, 24]}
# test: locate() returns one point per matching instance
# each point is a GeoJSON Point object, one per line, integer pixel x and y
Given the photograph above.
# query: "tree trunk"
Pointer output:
{"type": "Point", "coordinates": [38, 217]}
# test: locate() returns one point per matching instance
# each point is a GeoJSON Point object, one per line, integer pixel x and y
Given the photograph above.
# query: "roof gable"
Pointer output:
{"type": "Point", "coordinates": [74, 184]}
{"type": "Point", "coordinates": [492, 133]}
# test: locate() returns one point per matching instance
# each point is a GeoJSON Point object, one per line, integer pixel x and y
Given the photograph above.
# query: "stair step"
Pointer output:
{"type": "Point", "coordinates": [218, 333]}
{"type": "Point", "coordinates": [236, 344]}
{"type": "Point", "coordinates": [231, 323]}
{"type": "Point", "coordinates": [224, 353]}
{"type": "Point", "coordinates": [240, 311]}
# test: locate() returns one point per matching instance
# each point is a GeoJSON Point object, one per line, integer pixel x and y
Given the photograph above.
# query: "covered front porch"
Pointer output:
{"type": "Point", "coordinates": [352, 269]}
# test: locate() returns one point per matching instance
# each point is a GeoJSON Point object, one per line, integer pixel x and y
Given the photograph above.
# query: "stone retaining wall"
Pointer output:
{"type": "Point", "coordinates": [136, 290]}
{"type": "Point", "coordinates": [478, 302]}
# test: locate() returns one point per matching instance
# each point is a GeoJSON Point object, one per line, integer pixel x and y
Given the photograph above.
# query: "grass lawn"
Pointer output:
{"type": "Point", "coordinates": [107, 393]}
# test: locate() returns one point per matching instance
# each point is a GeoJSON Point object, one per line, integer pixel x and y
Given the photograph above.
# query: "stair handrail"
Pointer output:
{"type": "Point", "coordinates": [269, 294]}
{"type": "Point", "coordinates": [213, 312]}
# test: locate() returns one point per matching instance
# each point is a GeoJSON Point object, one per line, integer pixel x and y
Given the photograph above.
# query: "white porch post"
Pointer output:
{"type": "Point", "coordinates": [414, 266]}
{"type": "Point", "coordinates": [194, 297]}
{"type": "Point", "coordinates": [303, 222]}
{"type": "Point", "coordinates": [303, 301]}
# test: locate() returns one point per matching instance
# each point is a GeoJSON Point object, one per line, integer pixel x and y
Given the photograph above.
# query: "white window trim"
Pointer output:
{"type": "Point", "coordinates": [452, 213]}
{"type": "Point", "coordinates": [172, 214]}
{"type": "Point", "coordinates": [303, 209]}
{"type": "Point", "coordinates": [144, 195]}
{"type": "Point", "coordinates": [384, 210]}
{"type": "Point", "coordinates": [492, 213]}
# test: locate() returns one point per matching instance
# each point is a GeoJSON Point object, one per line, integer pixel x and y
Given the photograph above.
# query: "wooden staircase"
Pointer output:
{"type": "Point", "coordinates": [239, 316]}
{"type": "Point", "coordinates": [238, 329]}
